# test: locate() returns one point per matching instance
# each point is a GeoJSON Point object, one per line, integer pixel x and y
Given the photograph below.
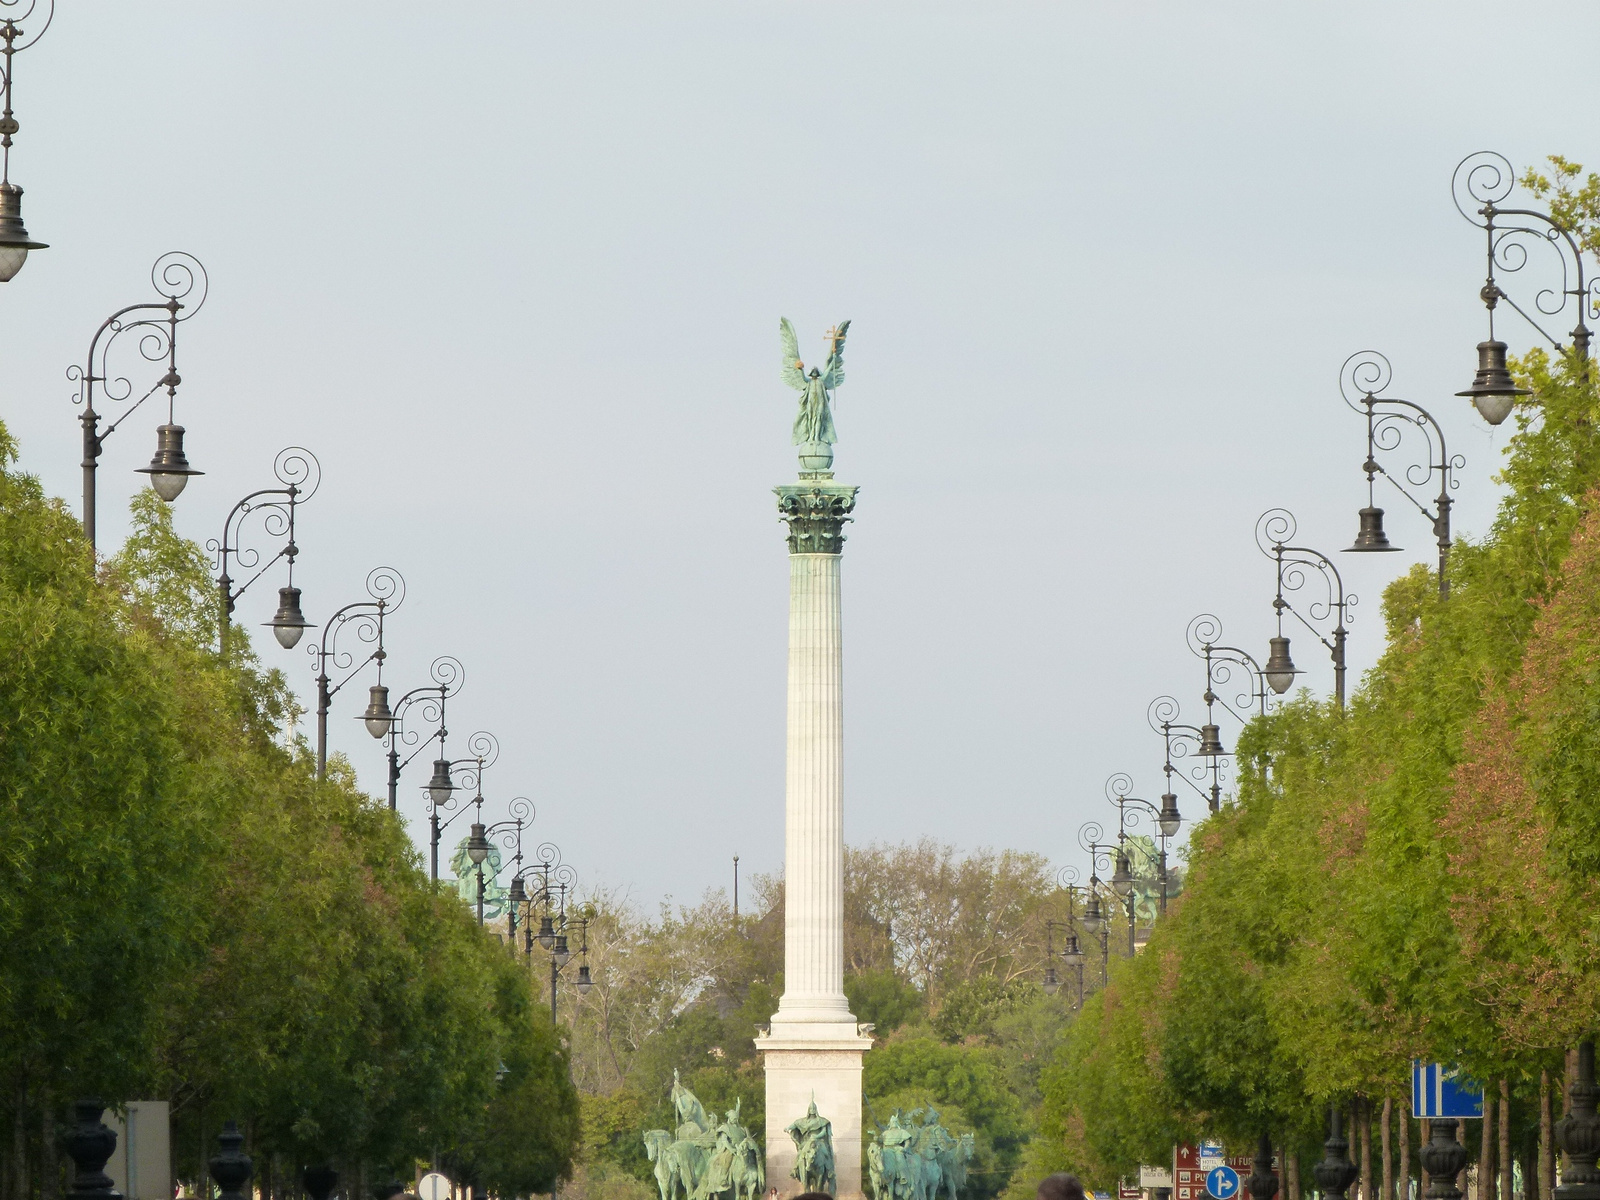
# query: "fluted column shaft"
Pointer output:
{"type": "Point", "coordinates": [814, 789]}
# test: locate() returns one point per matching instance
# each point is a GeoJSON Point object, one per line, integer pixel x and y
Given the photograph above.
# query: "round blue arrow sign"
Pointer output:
{"type": "Point", "coordinates": [1222, 1183]}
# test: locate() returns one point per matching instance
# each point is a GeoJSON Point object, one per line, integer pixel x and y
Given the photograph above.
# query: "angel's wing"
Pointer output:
{"type": "Point", "coordinates": [793, 370]}
{"type": "Point", "coordinates": [833, 369]}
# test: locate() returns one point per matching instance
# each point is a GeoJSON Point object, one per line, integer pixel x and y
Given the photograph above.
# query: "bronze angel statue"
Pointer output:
{"type": "Point", "coordinates": [813, 426]}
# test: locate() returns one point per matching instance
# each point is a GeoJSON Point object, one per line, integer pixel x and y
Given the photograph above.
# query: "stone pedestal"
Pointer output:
{"type": "Point", "coordinates": [814, 1046]}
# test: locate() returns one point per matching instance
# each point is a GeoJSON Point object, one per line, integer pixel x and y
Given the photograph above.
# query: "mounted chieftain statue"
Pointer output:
{"type": "Point", "coordinates": [914, 1157]}
{"type": "Point", "coordinates": [703, 1158]}
{"type": "Point", "coordinates": [813, 1144]}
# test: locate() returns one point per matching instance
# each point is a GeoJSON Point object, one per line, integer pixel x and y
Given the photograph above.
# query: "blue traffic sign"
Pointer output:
{"type": "Point", "coordinates": [1222, 1183]}
{"type": "Point", "coordinates": [1439, 1091]}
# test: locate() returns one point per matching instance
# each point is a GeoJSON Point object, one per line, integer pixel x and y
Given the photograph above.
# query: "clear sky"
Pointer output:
{"type": "Point", "coordinates": [514, 272]}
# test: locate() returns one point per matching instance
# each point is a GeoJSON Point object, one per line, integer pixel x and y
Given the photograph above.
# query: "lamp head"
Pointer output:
{"type": "Point", "coordinates": [377, 717]}
{"type": "Point", "coordinates": [561, 954]}
{"type": "Point", "coordinates": [1170, 818]}
{"type": "Point", "coordinates": [1052, 984]}
{"type": "Point", "coordinates": [547, 932]}
{"type": "Point", "coordinates": [1122, 877]}
{"type": "Point", "coordinates": [1493, 392]}
{"type": "Point", "coordinates": [1280, 669]}
{"type": "Point", "coordinates": [1092, 920]}
{"type": "Point", "coordinates": [439, 786]}
{"type": "Point", "coordinates": [1211, 742]}
{"type": "Point", "coordinates": [477, 845]}
{"type": "Point", "coordinates": [1370, 538]}
{"type": "Point", "coordinates": [288, 623]}
{"type": "Point", "coordinates": [585, 982]}
{"type": "Point", "coordinates": [169, 470]}
{"type": "Point", "coordinates": [518, 893]}
{"type": "Point", "coordinates": [1072, 955]}
{"type": "Point", "coordinates": [14, 240]}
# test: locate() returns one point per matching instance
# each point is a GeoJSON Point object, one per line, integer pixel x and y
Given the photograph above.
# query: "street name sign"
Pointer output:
{"type": "Point", "coordinates": [1438, 1090]}
{"type": "Point", "coordinates": [1155, 1177]}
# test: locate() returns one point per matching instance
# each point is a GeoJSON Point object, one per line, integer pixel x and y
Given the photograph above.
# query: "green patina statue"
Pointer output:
{"type": "Point", "coordinates": [914, 1157]}
{"type": "Point", "coordinates": [813, 1144]}
{"type": "Point", "coordinates": [813, 426]}
{"type": "Point", "coordinates": [703, 1158]}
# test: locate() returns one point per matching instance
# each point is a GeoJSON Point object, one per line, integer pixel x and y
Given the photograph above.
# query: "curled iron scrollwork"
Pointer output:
{"type": "Point", "coordinates": [15, 12]}
{"type": "Point", "coordinates": [1481, 179]}
{"type": "Point", "coordinates": [1068, 878]}
{"type": "Point", "coordinates": [1119, 786]}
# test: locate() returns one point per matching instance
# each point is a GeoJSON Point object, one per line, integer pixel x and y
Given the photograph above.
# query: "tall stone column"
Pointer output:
{"type": "Point", "coordinates": [814, 1047]}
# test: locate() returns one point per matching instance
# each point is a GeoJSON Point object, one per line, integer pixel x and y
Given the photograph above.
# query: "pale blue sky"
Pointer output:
{"type": "Point", "coordinates": [514, 272]}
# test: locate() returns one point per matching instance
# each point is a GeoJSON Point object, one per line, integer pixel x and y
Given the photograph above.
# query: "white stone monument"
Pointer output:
{"type": "Point", "coordinates": [814, 1047]}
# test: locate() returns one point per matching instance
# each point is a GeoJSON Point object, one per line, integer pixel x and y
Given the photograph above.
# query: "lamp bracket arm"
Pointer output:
{"type": "Point", "coordinates": [128, 412]}
{"type": "Point", "coordinates": [436, 736]}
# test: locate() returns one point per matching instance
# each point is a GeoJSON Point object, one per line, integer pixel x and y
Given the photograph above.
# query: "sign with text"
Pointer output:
{"type": "Point", "coordinates": [1438, 1090]}
{"type": "Point", "coordinates": [1155, 1177]}
{"type": "Point", "coordinates": [1197, 1169]}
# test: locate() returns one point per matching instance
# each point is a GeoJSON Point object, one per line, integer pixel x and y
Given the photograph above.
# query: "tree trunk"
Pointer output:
{"type": "Point", "coordinates": [19, 1144]}
{"type": "Point", "coordinates": [1291, 1175]}
{"type": "Point", "coordinates": [1387, 1150]}
{"type": "Point", "coordinates": [1547, 1146]}
{"type": "Point", "coordinates": [1364, 1107]}
{"type": "Point", "coordinates": [1486, 1180]}
{"type": "Point", "coordinates": [1505, 1141]}
{"type": "Point", "coordinates": [49, 1159]}
{"type": "Point", "coordinates": [1405, 1153]}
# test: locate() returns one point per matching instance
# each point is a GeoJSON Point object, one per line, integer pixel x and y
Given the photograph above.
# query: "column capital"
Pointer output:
{"type": "Point", "coordinates": [815, 510]}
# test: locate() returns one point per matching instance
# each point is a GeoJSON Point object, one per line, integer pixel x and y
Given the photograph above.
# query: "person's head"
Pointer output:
{"type": "Point", "coordinates": [1060, 1186]}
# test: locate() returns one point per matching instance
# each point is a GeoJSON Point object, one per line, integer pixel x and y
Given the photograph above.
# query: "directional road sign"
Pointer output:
{"type": "Point", "coordinates": [1222, 1183]}
{"type": "Point", "coordinates": [1439, 1091]}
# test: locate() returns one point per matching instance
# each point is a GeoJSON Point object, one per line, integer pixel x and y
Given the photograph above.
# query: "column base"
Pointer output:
{"type": "Point", "coordinates": [823, 1061]}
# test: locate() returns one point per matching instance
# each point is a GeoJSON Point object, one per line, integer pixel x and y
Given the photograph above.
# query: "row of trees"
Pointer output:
{"type": "Point", "coordinates": [1418, 877]}
{"type": "Point", "coordinates": [187, 914]}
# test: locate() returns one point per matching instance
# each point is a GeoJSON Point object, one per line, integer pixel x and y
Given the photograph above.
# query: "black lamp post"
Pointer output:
{"type": "Point", "coordinates": [1480, 182]}
{"type": "Point", "coordinates": [509, 834]}
{"type": "Point", "coordinates": [1335, 1173]}
{"type": "Point", "coordinates": [300, 473]}
{"type": "Point", "coordinates": [429, 700]}
{"type": "Point", "coordinates": [1165, 820]}
{"type": "Point", "coordinates": [441, 789]}
{"type": "Point", "coordinates": [1275, 529]}
{"type": "Point", "coordinates": [386, 590]}
{"type": "Point", "coordinates": [181, 280]}
{"type": "Point", "coordinates": [553, 880]}
{"type": "Point", "coordinates": [1361, 378]}
{"type": "Point", "coordinates": [14, 240]}
{"type": "Point", "coordinates": [1072, 950]}
{"type": "Point", "coordinates": [1579, 1134]}
{"type": "Point", "coordinates": [1161, 716]}
{"type": "Point", "coordinates": [1095, 919]}
{"type": "Point", "coordinates": [1204, 636]}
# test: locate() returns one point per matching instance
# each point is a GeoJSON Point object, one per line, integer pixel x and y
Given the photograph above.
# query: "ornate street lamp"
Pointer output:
{"type": "Point", "coordinates": [1204, 637]}
{"type": "Point", "coordinates": [1166, 821]}
{"type": "Point", "coordinates": [181, 280]}
{"type": "Point", "coordinates": [443, 790]}
{"type": "Point", "coordinates": [1275, 529]}
{"type": "Point", "coordinates": [554, 881]}
{"type": "Point", "coordinates": [1361, 378]}
{"type": "Point", "coordinates": [386, 591]}
{"type": "Point", "coordinates": [1162, 717]}
{"type": "Point", "coordinates": [429, 701]}
{"type": "Point", "coordinates": [1578, 1132]}
{"type": "Point", "coordinates": [1095, 919]}
{"type": "Point", "coordinates": [14, 240]}
{"type": "Point", "coordinates": [300, 473]}
{"type": "Point", "coordinates": [1480, 182]}
{"type": "Point", "coordinates": [509, 834]}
